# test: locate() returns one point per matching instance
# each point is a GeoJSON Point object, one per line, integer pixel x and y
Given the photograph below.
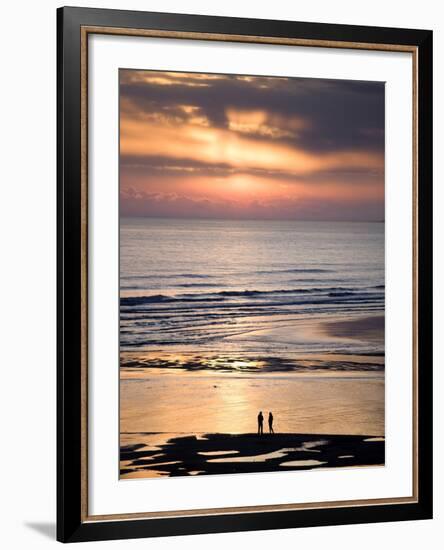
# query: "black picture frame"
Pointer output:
{"type": "Point", "coordinates": [72, 523]}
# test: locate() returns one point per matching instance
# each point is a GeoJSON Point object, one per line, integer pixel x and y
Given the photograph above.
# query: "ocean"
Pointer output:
{"type": "Point", "coordinates": [223, 285]}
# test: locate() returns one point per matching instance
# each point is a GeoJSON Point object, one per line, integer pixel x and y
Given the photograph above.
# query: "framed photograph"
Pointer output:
{"type": "Point", "coordinates": [245, 274]}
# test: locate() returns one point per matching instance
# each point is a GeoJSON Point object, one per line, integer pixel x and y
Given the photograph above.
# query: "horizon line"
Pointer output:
{"type": "Point", "coordinates": [212, 218]}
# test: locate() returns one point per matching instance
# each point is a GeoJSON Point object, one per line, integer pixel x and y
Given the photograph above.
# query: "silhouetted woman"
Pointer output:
{"type": "Point", "coordinates": [260, 423]}
{"type": "Point", "coordinates": [270, 422]}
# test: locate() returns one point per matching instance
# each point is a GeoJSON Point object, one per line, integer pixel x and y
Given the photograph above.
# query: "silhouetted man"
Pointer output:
{"type": "Point", "coordinates": [270, 422]}
{"type": "Point", "coordinates": [260, 423]}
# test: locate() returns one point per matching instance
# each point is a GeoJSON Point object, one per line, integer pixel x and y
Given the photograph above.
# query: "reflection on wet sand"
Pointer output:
{"type": "Point", "coordinates": [340, 403]}
{"type": "Point", "coordinates": [170, 400]}
{"type": "Point", "coordinates": [247, 453]}
{"type": "Point", "coordinates": [135, 364]}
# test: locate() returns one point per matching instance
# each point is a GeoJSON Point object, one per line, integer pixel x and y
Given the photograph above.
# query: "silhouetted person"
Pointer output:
{"type": "Point", "coordinates": [260, 423]}
{"type": "Point", "coordinates": [270, 422]}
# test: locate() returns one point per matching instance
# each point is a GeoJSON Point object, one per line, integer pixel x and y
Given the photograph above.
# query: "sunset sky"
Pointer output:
{"type": "Point", "coordinates": [242, 147]}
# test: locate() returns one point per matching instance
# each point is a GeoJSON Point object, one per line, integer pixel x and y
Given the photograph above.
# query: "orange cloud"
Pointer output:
{"type": "Point", "coordinates": [264, 123]}
{"type": "Point", "coordinates": [193, 140]}
{"type": "Point", "coordinates": [191, 80]}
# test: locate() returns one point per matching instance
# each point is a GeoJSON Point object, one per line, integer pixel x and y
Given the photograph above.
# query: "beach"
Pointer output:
{"type": "Point", "coordinates": [171, 406]}
{"type": "Point", "coordinates": [285, 317]}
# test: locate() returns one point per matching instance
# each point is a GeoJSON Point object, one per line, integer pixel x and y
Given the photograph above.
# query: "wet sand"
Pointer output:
{"type": "Point", "coordinates": [138, 362]}
{"type": "Point", "coordinates": [369, 328]}
{"type": "Point", "coordinates": [170, 398]}
{"type": "Point", "coordinates": [247, 453]}
{"type": "Point", "coordinates": [319, 333]}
